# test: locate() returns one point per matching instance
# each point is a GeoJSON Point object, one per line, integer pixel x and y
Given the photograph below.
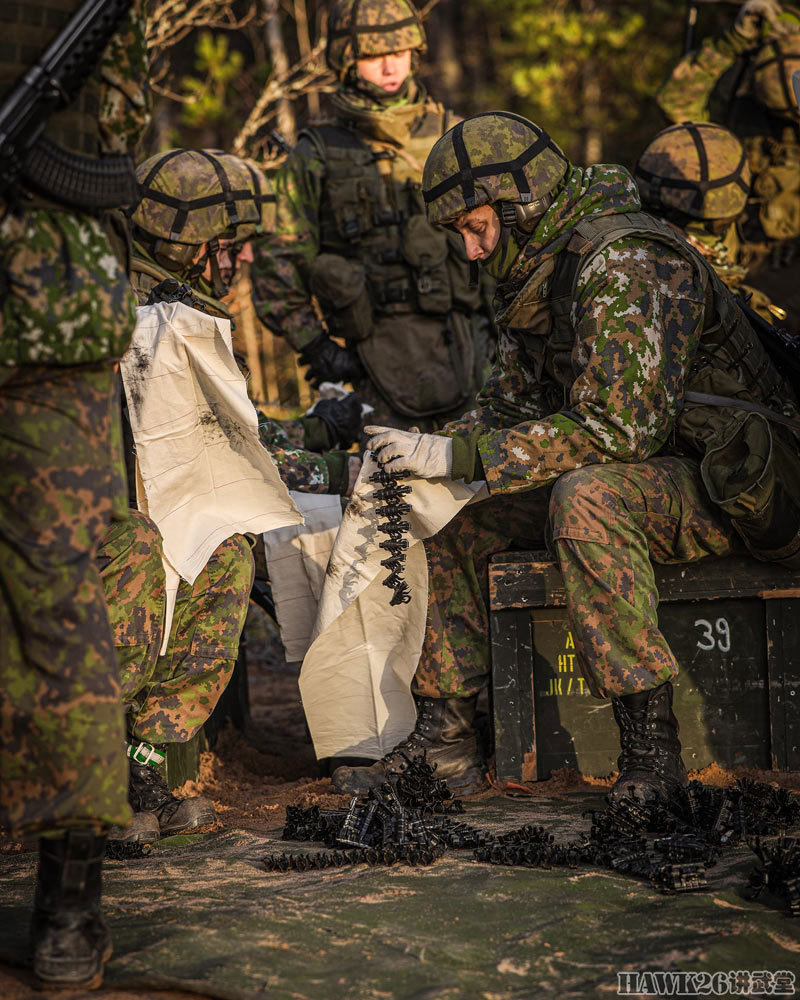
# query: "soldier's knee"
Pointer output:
{"type": "Point", "coordinates": [573, 490]}
{"type": "Point", "coordinates": [584, 502]}
{"type": "Point", "coordinates": [234, 562]}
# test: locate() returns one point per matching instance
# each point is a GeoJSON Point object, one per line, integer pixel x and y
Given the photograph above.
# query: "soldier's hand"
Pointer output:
{"type": "Point", "coordinates": [342, 417]}
{"type": "Point", "coordinates": [754, 13]}
{"type": "Point", "coordinates": [327, 362]}
{"type": "Point", "coordinates": [429, 456]}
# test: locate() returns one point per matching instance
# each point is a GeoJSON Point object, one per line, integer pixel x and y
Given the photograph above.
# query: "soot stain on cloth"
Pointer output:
{"type": "Point", "coordinates": [137, 363]}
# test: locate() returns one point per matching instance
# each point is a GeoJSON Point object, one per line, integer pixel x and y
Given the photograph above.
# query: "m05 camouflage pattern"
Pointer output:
{"type": "Point", "coordinates": [61, 720]}
{"type": "Point", "coordinates": [168, 698]}
{"type": "Point", "coordinates": [607, 524]}
{"type": "Point", "coordinates": [67, 308]}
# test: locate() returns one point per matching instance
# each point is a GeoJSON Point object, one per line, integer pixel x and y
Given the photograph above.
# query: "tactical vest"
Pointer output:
{"type": "Point", "coordinates": [388, 282]}
{"type": "Point", "coordinates": [26, 30]}
{"type": "Point", "coordinates": [730, 364]}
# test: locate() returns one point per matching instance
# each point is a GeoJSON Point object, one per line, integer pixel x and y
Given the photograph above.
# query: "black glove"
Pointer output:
{"type": "Point", "coordinates": [327, 362]}
{"type": "Point", "coordinates": [342, 417]}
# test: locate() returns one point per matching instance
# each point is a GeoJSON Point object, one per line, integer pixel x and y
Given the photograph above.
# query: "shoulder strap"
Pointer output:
{"type": "Point", "coordinates": [593, 235]}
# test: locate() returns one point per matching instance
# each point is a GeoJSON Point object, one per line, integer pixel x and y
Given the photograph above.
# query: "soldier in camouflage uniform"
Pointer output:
{"type": "Point", "coordinates": [589, 435]}
{"type": "Point", "coordinates": [67, 315]}
{"type": "Point", "coordinates": [743, 79]}
{"type": "Point", "coordinates": [351, 231]}
{"type": "Point", "coordinates": [696, 177]}
{"type": "Point", "coordinates": [202, 247]}
{"type": "Point", "coordinates": [198, 210]}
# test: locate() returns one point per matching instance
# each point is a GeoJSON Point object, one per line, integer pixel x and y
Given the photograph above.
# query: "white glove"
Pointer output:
{"type": "Point", "coordinates": [753, 13]}
{"type": "Point", "coordinates": [429, 456]}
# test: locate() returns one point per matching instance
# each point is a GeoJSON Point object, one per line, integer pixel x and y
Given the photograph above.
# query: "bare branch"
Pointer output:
{"type": "Point", "coordinates": [427, 9]}
{"type": "Point", "coordinates": [309, 73]}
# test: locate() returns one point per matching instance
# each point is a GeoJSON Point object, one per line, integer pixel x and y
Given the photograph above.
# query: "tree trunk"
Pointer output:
{"type": "Point", "coordinates": [280, 66]}
{"type": "Point", "coordinates": [304, 45]}
{"type": "Point", "coordinates": [591, 98]}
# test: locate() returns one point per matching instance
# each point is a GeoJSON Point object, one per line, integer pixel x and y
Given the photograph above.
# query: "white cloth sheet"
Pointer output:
{"type": "Point", "coordinates": [204, 474]}
{"type": "Point", "coordinates": [297, 558]}
{"type": "Point", "coordinates": [355, 680]}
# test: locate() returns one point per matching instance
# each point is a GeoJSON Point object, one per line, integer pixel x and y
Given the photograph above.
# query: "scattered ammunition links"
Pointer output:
{"type": "Point", "coordinates": [408, 821]}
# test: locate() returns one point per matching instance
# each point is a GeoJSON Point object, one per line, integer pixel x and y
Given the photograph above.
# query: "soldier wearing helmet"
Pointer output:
{"type": "Point", "coordinates": [592, 432]}
{"type": "Point", "coordinates": [743, 79]}
{"type": "Point", "coordinates": [351, 233]}
{"type": "Point", "coordinates": [198, 209]}
{"type": "Point", "coordinates": [696, 177]}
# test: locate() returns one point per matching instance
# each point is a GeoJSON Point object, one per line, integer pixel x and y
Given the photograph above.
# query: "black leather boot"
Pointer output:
{"type": "Point", "coordinates": [650, 761]}
{"type": "Point", "coordinates": [148, 793]}
{"type": "Point", "coordinates": [69, 941]}
{"type": "Point", "coordinates": [444, 731]}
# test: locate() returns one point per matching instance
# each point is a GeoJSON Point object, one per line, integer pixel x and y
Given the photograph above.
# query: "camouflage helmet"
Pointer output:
{"type": "Point", "coordinates": [492, 157]}
{"type": "Point", "coordinates": [191, 196]}
{"type": "Point", "coordinates": [696, 168]}
{"type": "Point", "coordinates": [362, 28]}
{"type": "Point", "coordinates": [772, 73]}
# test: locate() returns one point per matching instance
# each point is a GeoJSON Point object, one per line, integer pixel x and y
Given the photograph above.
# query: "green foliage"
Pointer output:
{"type": "Point", "coordinates": [209, 95]}
{"type": "Point", "coordinates": [587, 69]}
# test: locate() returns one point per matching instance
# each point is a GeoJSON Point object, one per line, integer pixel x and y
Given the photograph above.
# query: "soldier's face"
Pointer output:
{"type": "Point", "coordinates": [388, 71]}
{"type": "Point", "coordinates": [229, 256]}
{"type": "Point", "coordinates": [480, 230]}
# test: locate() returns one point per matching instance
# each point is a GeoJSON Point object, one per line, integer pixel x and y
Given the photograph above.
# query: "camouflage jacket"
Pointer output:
{"type": "Point", "coordinates": [636, 321]}
{"type": "Point", "coordinates": [66, 298]}
{"type": "Point", "coordinates": [710, 84]}
{"type": "Point", "coordinates": [301, 469]}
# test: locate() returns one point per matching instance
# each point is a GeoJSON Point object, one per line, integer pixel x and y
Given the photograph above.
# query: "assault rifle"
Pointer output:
{"type": "Point", "coordinates": [52, 83]}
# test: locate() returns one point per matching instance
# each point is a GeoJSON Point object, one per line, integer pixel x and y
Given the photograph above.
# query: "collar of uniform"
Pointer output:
{"type": "Point", "coordinates": [603, 189]}
{"type": "Point", "coordinates": [393, 123]}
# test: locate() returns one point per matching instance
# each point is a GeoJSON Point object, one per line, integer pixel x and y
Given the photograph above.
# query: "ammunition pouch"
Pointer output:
{"type": "Point", "coordinates": [341, 287]}
{"type": "Point", "coordinates": [86, 183]}
{"type": "Point", "coordinates": [752, 474]}
{"type": "Point", "coordinates": [439, 350]}
{"type": "Point", "coordinates": [425, 249]}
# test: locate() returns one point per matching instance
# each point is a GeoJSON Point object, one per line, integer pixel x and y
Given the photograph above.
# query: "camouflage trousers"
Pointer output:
{"type": "Point", "coordinates": [168, 697]}
{"type": "Point", "coordinates": [607, 525]}
{"type": "Point", "coordinates": [62, 760]}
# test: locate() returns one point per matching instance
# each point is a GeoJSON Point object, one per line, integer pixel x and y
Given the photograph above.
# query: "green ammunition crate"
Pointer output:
{"type": "Point", "coordinates": [734, 626]}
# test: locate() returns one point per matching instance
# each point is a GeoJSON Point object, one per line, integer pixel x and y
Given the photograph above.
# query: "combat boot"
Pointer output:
{"type": "Point", "coordinates": [142, 829]}
{"type": "Point", "coordinates": [69, 941]}
{"type": "Point", "coordinates": [650, 761]}
{"type": "Point", "coordinates": [148, 793]}
{"type": "Point", "coordinates": [444, 732]}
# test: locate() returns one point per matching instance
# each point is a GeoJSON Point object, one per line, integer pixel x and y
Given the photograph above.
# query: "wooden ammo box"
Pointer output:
{"type": "Point", "coordinates": [734, 626]}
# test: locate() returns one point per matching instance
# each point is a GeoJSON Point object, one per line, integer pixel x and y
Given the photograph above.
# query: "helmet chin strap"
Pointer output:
{"type": "Point", "coordinates": [211, 257]}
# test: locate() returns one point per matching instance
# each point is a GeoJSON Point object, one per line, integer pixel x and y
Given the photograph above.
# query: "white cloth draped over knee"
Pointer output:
{"type": "Point", "coordinates": [356, 677]}
{"type": "Point", "coordinates": [203, 473]}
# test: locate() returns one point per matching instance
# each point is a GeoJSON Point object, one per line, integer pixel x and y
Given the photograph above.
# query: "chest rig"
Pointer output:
{"type": "Point", "coordinates": [388, 282]}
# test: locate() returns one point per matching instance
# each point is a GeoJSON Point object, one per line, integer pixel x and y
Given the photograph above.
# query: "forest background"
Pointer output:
{"type": "Point", "coordinates": [226, 74]}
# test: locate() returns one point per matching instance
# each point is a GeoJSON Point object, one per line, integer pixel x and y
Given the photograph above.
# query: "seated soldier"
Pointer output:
{"type": "Point", "coordinates": [696, 177]}
{"type": "Point", "coordinates": [169, 697]}
{"type": "Point", "coordinates": [590, 435]}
